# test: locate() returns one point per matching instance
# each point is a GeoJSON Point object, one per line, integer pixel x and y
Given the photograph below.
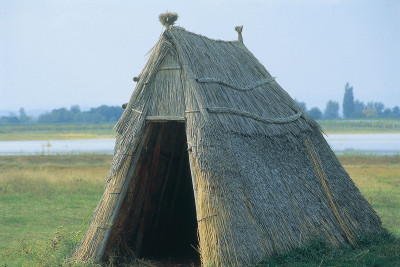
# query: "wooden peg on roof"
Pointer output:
{"type": "Point", "coordinates": [239, 30]}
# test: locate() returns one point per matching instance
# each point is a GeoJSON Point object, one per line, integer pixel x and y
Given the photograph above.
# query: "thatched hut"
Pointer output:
{"type": "Point", "coordinates": [212, 153]}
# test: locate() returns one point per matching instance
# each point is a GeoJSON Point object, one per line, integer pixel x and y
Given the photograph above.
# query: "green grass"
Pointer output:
{"type": "Point", "coordinates": [56, 132]}
{"type": "Point", "coordinates": [93, 131]}
{"type": "Point", "coordinates": [377, 250]}
{"type": "Point", "coordinates": [360, 126]}
{"type": "Point", "coordinates": [378, 178]}
{"type": "Point", "coordinates": [46, 203]}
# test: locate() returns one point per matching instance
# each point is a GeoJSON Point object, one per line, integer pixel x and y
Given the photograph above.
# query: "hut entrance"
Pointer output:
{"type": "Point", "coordinates": [158, 217]}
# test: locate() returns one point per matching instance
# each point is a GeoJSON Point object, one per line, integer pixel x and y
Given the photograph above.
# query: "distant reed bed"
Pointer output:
{"type": "Point", "coordinates": [56, 131]}
{"type": "Point", "coordinates": [360, 126]}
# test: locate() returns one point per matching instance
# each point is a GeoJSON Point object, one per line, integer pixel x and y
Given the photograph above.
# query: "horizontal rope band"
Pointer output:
{"type": "Point", "coordinates": [238, 88]}
{"type": "Point", "coordinates": [165, 118]}
{"type": "Point", "coordinates": [250, 115]}
{"type": "Point", "coordinates": [170, 68]}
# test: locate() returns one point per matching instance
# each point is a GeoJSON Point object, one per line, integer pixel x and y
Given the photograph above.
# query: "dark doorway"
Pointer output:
{"type": "Point", "coordinates": [158, 217]}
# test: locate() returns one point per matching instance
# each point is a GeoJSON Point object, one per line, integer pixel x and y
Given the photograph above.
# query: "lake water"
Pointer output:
{"type": "Point", "coordinates": [381, 144]}
{"type": "Point", "coordinates": [53, 147]}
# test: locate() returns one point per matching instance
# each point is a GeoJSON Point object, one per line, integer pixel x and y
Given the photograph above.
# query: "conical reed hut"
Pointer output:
{"type": "Point", "coordinates": [212, 153]}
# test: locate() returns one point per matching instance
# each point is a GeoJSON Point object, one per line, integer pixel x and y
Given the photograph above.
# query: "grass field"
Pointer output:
{"type": "Point", "coordinates": [46, 203]}
{"type": "Point", "coordinates": [92, 131]}
{"type": "Point", "coordinates": [360, 126]}
{"type": "Point", "coordinates": [56, 132]}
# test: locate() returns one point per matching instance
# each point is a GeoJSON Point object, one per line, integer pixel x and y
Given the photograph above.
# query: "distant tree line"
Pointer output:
{"type": "Point", "coordinates": [357, 109]}
{"type": "Point", "coordinates": [102, 114]}
{"type": "Point", "coordinates": [352, 108]}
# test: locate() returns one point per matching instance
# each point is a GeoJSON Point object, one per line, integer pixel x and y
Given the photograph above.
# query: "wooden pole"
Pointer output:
{"type": "Point", "coordinates": [103, 245]}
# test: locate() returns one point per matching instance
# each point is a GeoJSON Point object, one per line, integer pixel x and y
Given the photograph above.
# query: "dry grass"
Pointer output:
{"type": "Point", "coordinates": [32, 173]}
{"type": "Point", "coordinates": [45, 203]}
{"type": "Point", "coordinates": [56, 132]}
{"type": "Point", "coordinates": [378, 178]}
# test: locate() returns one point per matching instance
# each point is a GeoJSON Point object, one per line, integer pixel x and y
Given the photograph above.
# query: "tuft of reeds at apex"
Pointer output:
{"type": "Point", "coordinates": [264, 179]}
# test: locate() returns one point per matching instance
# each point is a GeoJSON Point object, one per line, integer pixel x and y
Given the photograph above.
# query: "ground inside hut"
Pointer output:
{"type": "Point", "coordinates": [157, 220]}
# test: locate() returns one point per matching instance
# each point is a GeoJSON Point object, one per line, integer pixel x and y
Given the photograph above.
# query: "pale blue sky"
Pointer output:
{"type": "Point", "coordinates": [58, 53]}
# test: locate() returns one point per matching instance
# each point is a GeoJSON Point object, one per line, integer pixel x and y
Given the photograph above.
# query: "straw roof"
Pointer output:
{"type": "Point", "coordinates": [264, 178]}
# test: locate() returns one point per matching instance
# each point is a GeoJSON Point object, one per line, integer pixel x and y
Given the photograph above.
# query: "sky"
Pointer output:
{"type": "Point", "coordinates": [85, 52]}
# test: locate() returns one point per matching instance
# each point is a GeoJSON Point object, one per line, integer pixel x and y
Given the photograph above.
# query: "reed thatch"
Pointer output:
{"type": "Point", "coordinates": [262, 176]}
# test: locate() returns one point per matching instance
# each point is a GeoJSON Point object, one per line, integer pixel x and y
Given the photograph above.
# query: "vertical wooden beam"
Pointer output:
{"type": "Point", "coordinates": [103, 244]}
{"type": "Point", "coordinates": [150, 180]}
{"type": "Point", "coordinates": [191, 163]}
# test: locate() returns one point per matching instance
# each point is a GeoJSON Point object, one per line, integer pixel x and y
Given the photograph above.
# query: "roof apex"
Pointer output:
{"type": "Point", "coordinates": [168, 18]}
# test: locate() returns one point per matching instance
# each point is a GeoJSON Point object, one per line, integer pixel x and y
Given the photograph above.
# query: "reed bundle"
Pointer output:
{"type": "Point", "coordinates": [264, 178]}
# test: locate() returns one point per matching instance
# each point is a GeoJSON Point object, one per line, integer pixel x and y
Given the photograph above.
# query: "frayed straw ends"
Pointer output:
{"type": "Point", "coordinates": [167, 19]}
